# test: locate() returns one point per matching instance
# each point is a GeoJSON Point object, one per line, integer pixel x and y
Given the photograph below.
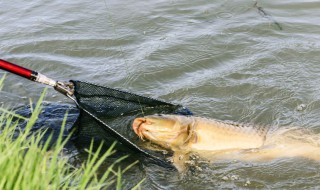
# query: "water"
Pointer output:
{"type": "Point", "coordinates": [222, 60]}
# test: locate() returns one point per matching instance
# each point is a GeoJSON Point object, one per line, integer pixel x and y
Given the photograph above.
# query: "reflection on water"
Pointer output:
{"type": "Point", "coordinates": [221, 60]}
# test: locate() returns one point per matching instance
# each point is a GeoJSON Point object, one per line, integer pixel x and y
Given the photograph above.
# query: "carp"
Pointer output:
{"type": "Point", "coordinates": [215, 139]}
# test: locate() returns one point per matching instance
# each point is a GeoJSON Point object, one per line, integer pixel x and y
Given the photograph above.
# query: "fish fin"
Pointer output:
{"type": "Point", "coordinates": [179, 158]}
{"type": "Point", "coordinates": [195, 137]}
{"type": "Point", "coordinates": [192, 135]}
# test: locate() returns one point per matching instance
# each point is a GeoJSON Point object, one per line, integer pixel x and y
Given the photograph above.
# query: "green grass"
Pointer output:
{"type": "Point", "coordinates": [24, 164]}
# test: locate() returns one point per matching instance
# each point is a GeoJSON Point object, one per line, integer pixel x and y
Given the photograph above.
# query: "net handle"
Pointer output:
{"type": "Point", "coordinates": [64, 88]}
{"type": "Point", "coordinates": [26, 73]}
{"type": "Point", "coordinates": [18, 70]}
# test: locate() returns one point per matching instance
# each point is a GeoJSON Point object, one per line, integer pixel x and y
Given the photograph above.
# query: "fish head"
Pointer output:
{"type": "Point", "coordinates": [168, 131]}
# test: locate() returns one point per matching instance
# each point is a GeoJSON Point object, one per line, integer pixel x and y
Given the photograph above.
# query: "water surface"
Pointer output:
{"type": "Point", "coordinates": [223, 60]}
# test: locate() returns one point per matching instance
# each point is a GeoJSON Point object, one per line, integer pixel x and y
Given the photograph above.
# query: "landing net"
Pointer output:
{"type": "Point", "coordinates": [108, 107]}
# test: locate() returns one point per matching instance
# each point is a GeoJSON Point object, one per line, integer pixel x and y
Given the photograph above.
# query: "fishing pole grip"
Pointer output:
{"type": "Point", "coordinates": [18, 70]}
{"type": "Point", "coordinates": [26, 73]}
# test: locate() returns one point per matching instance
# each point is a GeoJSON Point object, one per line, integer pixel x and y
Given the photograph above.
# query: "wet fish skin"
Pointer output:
{"type": "Point", "coordinates": [198, 134]}
{"type": "Point", "coordinates": [214, 139]}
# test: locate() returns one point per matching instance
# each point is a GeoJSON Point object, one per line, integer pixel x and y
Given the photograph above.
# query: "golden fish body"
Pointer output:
{"type": "Point", "coordinates": [213, 135]}
{"type": "Point", "coordinates": [213, 139]}
{"type": "Point", "coordinates": [198, 134]}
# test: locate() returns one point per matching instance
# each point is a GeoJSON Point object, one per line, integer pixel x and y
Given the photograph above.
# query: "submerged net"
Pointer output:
{"type": "Point", "coordinates": [104, 107]}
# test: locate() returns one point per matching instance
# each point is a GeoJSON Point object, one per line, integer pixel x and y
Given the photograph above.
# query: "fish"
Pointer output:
{"type": "Point", "coordinates": [215, 139]}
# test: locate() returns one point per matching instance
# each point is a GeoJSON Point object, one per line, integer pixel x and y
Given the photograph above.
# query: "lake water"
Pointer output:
{"type": "Point", "coordinates": [226, 60]}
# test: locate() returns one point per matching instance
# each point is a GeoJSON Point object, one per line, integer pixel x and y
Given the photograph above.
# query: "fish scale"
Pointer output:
{"type": "Point", "coordinates": [219, 135]}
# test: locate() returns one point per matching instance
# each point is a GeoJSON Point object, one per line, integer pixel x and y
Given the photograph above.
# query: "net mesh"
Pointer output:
{"type": "Point", "coordinates": [116, 109]}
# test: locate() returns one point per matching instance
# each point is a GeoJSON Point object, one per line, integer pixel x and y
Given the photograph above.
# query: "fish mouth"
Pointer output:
{"type": "Point", "coordinates": [141, 126]}
{"type": "Point", "coordinates": [137, 126]}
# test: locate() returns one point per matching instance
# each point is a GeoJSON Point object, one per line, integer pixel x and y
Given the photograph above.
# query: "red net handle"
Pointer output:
{"type": "Point", "coordinates": [64, 88]}
{"type": "Point", "coordinates": [18, 70]}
